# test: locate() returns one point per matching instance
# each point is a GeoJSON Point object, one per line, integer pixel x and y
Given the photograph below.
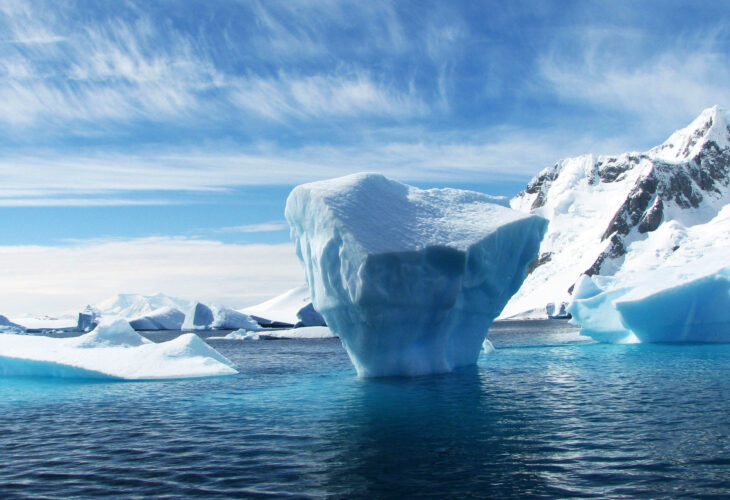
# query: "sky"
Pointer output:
{"type": "Point", "coordinates": [149, 146]}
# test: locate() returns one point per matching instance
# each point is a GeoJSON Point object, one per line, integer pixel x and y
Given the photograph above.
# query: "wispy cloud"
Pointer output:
{"type": "Point", "coordinates": [670, 85]}
{"type": "Point", "coordinates": [42, 279]}
{"type": "Point", "coordinates": [80, 202]}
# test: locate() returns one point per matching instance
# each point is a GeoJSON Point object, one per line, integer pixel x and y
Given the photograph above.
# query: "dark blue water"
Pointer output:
{"type": "Point", "coordinates": [547, 415]}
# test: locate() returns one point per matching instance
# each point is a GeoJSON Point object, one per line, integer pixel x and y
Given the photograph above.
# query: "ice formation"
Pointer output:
{"type": "Point", "coordinates": [682, 297]}
{"type": "Point", "coordinates": [609, 214]}
{"type": "Point", "coordinates": [203, 317]}
{"type": "Point", "coordinates": [307, 332]}
{"type": "Point", "coordinates": [112, 350]}
{"type": "Point", "coordinates": [292, 308]}
{"type": "Point", "coordinates": [145, 312]}
{"type": "Point", "coordinates": [164, 318]}
{"type": "Point", "coordinates": [409, 279]}
{"type": "Point", "coordinates": [7, 326]}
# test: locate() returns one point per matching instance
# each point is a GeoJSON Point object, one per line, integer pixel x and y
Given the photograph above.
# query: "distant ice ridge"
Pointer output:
{"type": "Point", "coordinates": [203, 317]}
{"type": "Point", "coordinates": [306, 332]}
{"type": "Point", "coordinates": [112, 350]}
{"type": "Point", "coordinates": [292, 308]}
{"type": "Point", "coordinates": [611, 214]}
{"type": "Point", "coordinates": [144, 312]}
{"type": "Point", "coordinates": [409, 279]}
{"type": "Point", "coordinates": [7, 326]}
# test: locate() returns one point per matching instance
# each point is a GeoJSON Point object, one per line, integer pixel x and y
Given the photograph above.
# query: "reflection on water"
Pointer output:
{"type": "Point", "coordinates": [549, 413]}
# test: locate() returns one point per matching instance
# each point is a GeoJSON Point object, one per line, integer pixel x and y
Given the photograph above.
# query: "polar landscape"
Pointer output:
{"type": "Point", "coordinates": [364, 250]}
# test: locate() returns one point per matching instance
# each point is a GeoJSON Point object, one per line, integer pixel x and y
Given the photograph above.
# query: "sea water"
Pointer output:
{"type": "Point", "coordinates": [548, 414]}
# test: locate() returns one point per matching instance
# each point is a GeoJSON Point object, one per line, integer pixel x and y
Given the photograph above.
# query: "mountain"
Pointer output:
{"type": "Point", "coordinates": [616, 214]}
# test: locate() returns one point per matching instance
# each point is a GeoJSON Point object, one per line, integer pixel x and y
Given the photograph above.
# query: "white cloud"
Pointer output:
{"type": "Point", "coordinates": [79, 202]}
{"type": "Point", "coordinates": [42, 279]}
{"type": "Point", "coordinates": [255, 228]}
{"type": "Point", "coordinates": [665, 89]}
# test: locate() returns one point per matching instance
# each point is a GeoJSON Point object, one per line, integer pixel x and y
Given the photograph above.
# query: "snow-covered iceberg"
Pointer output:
{"type": "Point", "coordinates": [203, 317]}
{"type": "Point", "coordinates": [113, 350]}
{"type": "Point", "coordinates": [164, 318]}
{"type": "Point", "coordinates": [409, 279]}
{"type": "Point", "coordinates": [292, 308]}
{"type": "Point", "coordinates": [7, 326]}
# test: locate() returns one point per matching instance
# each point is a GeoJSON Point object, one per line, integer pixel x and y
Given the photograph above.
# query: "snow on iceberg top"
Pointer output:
{"type": "Point", "coordinates": [113, 350]}
{"type": "Point", "coordinates": [387, 216]}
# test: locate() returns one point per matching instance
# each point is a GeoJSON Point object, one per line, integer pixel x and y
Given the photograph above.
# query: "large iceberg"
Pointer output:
{"type": "Point", "coordinates": [113, 350]}
{"type": "Point", "coordinates": [144, 312]}
{"type": "Point", "coordinates": [409, 279]}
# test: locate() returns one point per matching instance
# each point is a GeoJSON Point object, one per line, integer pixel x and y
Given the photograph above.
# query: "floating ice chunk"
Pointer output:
{"type": "Point", "coordinates": [198, 317]}
{"type": "Point", "coordinates": [113, 350]}
{"type": "Point", "coordinates": [164, 318]}
{"type": "Point", "coordinates": [487, 347]}
{"type": "Point", "coordinates": [308, 316]}
{"type": "Point", "coordinates": [409, 279]}
{"type": "Point", "coordinates": [291, 308]}
{"type": "Point", "coordinates": [7, 326]}
{"type": "Point", "coordinates": [599, 319]}
{"type": "Point", "coordinates": [203, 317]}
{"type": "Point", "coordinates": [693, 311]}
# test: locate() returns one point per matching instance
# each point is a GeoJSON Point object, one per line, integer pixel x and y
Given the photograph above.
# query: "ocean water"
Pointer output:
{"type": "Point", "coordinates": [549, 414]}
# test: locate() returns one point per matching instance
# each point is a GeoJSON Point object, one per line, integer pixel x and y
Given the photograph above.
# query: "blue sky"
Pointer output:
{"type": "Point", "coordinates": [189, 122]}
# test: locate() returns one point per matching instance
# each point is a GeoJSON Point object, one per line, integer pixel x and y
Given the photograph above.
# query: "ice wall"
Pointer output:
{"type": "Point", "coordinates": [409, 279]}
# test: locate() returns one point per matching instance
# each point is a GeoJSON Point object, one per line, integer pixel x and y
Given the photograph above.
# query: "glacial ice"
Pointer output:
{"type": "Point", "coordinates": [203, 317]}
{"type": "Point", "coordinates": [664, 305]}
{"type": "Point", "coordinates": [307, 332]}
{"type": "Point", "coordinates": [113, 350]}
{"type": "Point", "coordinates": [292, 308]}
{"type": "Point", "coordinates": [164, 318]}
{"type": "Point", "coordinates": [409, 279]}
{"type": "Point", "coordinates": [7, 326]}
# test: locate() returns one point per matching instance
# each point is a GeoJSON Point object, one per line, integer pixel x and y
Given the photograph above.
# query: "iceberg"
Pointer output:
{"type": "Point", "coordinates": [204, 317]}
{"type": "Point", "coordinates": [292, 308]}
{"type": "Point", "coordinates": [409, 279]}
{"type": "Point", "coordinates": [665, 305]}
{"type": "Point", "coordinates": [697, 310]}
{"type": "Point", "coordinates": [164, 318]}
{"type": "Point", "coordinates": [113, 350]}
{"type": "Point", "coordinates": [307, 332]}
{"type": "Point", "coordinates": [7, 326]}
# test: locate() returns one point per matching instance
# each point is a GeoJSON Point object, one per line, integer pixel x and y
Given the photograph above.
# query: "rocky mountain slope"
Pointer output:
{"type": "Point", "coordinates": [606, 212]}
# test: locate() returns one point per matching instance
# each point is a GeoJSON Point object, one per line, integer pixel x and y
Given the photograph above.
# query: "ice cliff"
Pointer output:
{"type": "Point", "coordinates": [409, 279]}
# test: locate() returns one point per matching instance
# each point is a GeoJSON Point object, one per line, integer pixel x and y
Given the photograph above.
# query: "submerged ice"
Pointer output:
{"type": "Point", "coordinates": [112, 350]}
{"type": "Point", "coordinates": [409, 279]}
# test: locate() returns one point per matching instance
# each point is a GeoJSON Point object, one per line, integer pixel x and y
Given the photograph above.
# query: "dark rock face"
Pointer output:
{"type": "Point", "coordinates": [539, 260]}
{"type": "Point", "coordinates": [685, 185]}
{"type": "Point", "coordinates": [541, 184]}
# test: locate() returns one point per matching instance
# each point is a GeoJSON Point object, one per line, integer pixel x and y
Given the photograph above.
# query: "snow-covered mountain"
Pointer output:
{"type": "Point", "coordinates": [612, 215]}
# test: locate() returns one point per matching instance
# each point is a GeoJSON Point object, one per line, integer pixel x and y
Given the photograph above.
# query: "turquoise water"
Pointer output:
{"type": "Point", "coordinates": [549, 414]}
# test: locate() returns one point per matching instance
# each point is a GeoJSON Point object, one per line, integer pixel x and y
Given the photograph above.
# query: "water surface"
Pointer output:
{"type": "Point", "coordinates": [549, 414]}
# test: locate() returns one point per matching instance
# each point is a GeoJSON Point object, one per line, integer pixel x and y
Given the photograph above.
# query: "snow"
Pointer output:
{"type": "Point", "coordinates": [308, 332]}
{"type": "Point", "coordinates": [291, 308]}
{"type": "Point", "coordinates": [582, 196]}
{"type": "Point", "coordinates": [164, 318]}
{"type": "Point", "coordinates": [113, 350]}
{"type": "Point", "coordinates": [7, 326]}
{"type": "Point", "coordinates": [665, 295]}
{"type": "Point", "coordinates": [46, 322]}
{"type": "Point", "coordinates": [409, 279]}
{"type": "Point", "coordinates": [203, 317]}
